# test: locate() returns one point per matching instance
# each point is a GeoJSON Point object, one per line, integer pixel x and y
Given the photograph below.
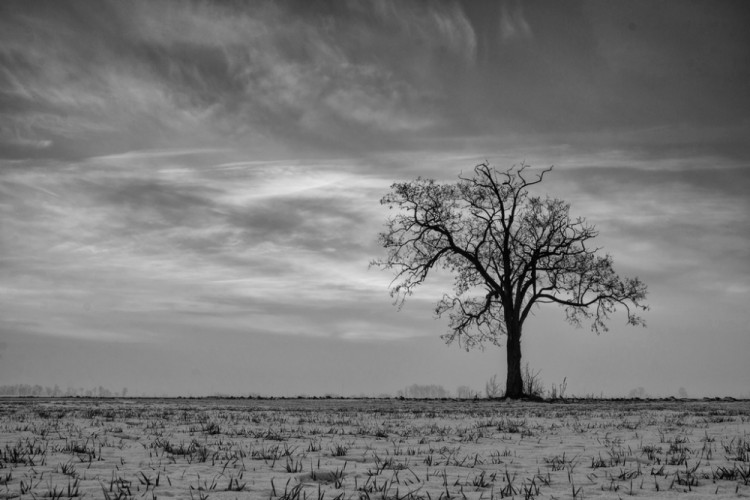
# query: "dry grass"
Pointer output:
{"type": "Point", "coordinates": [372, 449]}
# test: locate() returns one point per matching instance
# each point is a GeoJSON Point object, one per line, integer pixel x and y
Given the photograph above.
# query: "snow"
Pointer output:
{"type": "Point", "coordinates": [304, 448]}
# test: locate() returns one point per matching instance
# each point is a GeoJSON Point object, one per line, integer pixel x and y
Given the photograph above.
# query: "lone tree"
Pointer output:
{"type": "Point", "coordinates": [508, 251]}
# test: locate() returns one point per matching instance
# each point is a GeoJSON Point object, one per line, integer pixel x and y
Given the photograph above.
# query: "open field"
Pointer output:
{"type": "Point", "coordinates": [372, 449]}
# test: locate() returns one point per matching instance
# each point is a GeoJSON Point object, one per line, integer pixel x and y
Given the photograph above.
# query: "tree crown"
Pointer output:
{"type": "Point", "coordinates": [508, 251]}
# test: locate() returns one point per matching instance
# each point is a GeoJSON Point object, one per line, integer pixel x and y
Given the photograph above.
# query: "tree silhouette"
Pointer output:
{"type": "Point", "coordinates": [508, 251]}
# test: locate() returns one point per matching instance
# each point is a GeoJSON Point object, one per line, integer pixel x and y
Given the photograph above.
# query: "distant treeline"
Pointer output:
{"type": "Point", "coordinates": [414, 391]}
{"type": "Point", "coordinates": [424, 391]}
{"type": "Point", "coordinates": [57, 392]}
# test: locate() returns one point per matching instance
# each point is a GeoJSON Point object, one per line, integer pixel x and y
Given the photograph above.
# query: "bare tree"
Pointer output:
{"type": "Point", "coordinates": [492, 388]}
{"type": "Point", "coordinates": [508, 251]}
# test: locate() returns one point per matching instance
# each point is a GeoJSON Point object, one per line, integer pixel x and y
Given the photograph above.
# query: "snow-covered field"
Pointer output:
{"type": "Point", "coordinates": [373, 449]}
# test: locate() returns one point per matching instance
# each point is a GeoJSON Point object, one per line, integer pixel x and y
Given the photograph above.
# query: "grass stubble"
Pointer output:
{"type": "Point", "coordinates": [297, 449]}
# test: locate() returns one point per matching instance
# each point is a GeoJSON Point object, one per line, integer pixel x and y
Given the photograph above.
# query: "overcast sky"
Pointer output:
{"type": "Point", "coordinates": [189, 191]}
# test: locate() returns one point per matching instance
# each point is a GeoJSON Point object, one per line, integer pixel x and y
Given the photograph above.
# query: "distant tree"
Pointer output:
{"type": "Point", "coordinates": [508, 251]}
{"type": "Point", "coordinates": [424, 392]}
{"type": "Point", "coordinates": [638, 392]}
{"type": "Point", "coordinates": [466, 392]}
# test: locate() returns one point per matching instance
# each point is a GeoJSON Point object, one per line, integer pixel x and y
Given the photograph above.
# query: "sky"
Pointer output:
{"type": "Point", "coordinates": [189, 191]}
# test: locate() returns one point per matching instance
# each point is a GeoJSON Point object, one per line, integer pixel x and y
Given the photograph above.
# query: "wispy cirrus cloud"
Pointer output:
{"type": "Point", "coordinates": [136, 233]}
{"type": "Point", "coordinates": [513, 24]}
{"type": "Point", "coordinates": [355, 78]}
{"type": "Point", "coordinates": [686, 227]}
{"type": "Point", "coordinates": [215, 73]}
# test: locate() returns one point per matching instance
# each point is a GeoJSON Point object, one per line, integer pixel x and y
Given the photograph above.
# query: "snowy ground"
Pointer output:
{"type": "Point", "coordinates": [373, 449]}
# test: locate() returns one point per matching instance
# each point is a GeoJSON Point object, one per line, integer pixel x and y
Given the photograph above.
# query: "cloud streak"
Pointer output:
{"type": "Point", "coordinates": [131, 237]}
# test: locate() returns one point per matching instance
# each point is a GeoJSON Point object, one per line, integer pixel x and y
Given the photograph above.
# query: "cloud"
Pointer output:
{"type": "Point", "coordinates": [444, 26]}
{"type": "Point", "coordinates": [686, 227]}
{"type": "Point", "coordinates": [363, 78]}
{"type": "Point", "coordinates": [154, 76]}
{"type": "Point", "coordinates": [166, 233]}
{"type": "Point", "coordinates": [513, 24]}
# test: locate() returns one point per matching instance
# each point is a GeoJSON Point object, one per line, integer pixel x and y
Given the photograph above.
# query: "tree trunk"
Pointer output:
{"type": "Point", "coordinates": [514, 382]}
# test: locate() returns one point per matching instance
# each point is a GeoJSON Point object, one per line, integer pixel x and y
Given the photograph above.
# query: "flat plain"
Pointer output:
{"type": "Point", "coordinates": [373, 449]}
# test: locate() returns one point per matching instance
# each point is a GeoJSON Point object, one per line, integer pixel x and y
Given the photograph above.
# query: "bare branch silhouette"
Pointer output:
{"type": "Point", "coordinates": [508, 251]}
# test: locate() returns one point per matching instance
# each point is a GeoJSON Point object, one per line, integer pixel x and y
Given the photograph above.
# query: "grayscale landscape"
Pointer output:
{"type": "Point", "coordinates": [388, 249]}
